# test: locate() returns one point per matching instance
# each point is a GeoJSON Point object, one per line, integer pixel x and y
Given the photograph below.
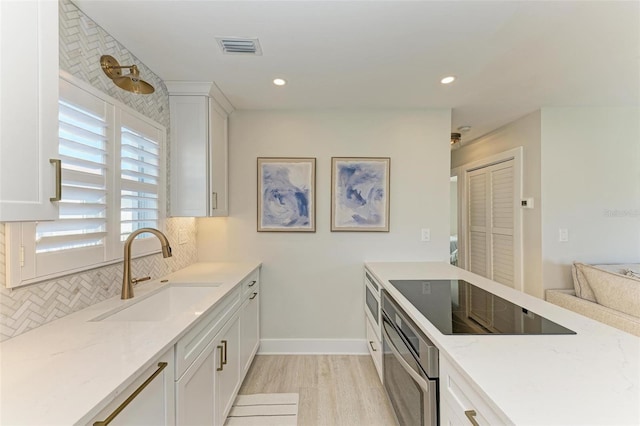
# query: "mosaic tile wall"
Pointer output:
{"type": "Point", "coordinates": [82, 42]}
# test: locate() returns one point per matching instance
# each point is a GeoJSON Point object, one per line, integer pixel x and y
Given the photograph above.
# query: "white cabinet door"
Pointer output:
{"type": "Point", "coordinates": [195, 390]}
{"type": "Point", "coordinates": [199, 167]}
{"type": "Point", "coordinates": [29, 104]}
{"type": "Point", "coordinates": [153, 399]}
{"type": "Point", "coordinates": [218, 160]}
{"type": "Point", "coordinates": [249, 329]}
{"type": "Point", "coordinates": [228, 377]}
{"type": "Point", "coordinates": [189, 155]}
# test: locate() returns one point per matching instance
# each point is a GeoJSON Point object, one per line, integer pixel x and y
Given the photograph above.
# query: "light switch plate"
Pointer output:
{"type": "Point", "coordinates": [563, 235]}
{"type": "Point", "coordinates": [425, 234]}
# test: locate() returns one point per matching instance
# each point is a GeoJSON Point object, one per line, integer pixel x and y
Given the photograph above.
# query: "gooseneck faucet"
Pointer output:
{"type": "Point", "coordinates": [127, 282]}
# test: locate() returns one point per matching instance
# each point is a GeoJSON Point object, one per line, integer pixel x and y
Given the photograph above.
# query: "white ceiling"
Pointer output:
{"type": "Point", "coordinates": [510, 57]}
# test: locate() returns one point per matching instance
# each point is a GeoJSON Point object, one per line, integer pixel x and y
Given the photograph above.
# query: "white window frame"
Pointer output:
{"type": "Point", "coordinates": [20, 236]}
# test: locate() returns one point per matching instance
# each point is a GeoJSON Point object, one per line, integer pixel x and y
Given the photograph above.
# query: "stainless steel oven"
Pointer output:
{"type": "Point", "coordinates": [410, 365]}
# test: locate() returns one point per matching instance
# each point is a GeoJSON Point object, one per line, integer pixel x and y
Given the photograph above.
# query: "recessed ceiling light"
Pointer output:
{"type": "Point", "coordinates": [279, 81]}
{"type": "Point", "coordinates": [448, 79]}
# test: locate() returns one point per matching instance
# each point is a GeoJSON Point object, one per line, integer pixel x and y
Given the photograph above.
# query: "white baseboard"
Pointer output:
{"type": "Point", "coordinates": [313, 347]}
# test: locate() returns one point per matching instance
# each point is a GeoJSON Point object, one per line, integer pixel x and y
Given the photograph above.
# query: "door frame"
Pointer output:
{"type": "Point", "coordinates": [515, 154]}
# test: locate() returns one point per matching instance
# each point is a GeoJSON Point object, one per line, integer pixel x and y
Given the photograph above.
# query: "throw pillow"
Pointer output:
{"type": "Point", "coordinates": [580, 282]}
{"type": "Point", "coordinates": [614, 291]}
{"type": "Point", "coordinates": [632, 273]}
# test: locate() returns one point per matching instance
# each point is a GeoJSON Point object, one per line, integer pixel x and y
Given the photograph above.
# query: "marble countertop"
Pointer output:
{"type": "Point", "coordinates": [60, 373]}
{"type": "Point", "coordinates": [592, 377]}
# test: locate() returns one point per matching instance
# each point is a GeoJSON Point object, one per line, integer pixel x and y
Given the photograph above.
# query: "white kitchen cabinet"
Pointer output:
{"type": "Point", "coordinates": [228, 371]}
{"type": "Point", "coordinates": [460, 403]}
{"type": "Point", "coordinates": [29, 104]}
{"type": "Point", "coordinates": [199, 157]}
{"type": "Point", "coordinates": [149, 400]}
{"type": "Point", "coordinates": [249, 324]}
{"type": "Point", "coordinates": [375, 347]}
{"type": "Point", "coordinates": [213, 357]}
{"type": "Point", "coordinates": [195, 390]}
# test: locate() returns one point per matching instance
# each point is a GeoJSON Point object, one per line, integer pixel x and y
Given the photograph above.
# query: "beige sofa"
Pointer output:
{"type": "Point", "coordinates": [604, 293]}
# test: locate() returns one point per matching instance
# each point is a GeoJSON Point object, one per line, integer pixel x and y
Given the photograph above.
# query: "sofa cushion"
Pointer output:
{"type": "Point", "coordinates": [612, 290]}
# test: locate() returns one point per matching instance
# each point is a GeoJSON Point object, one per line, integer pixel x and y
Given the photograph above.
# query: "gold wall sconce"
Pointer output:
{"type": "Point", "coordinates": [130, 82]}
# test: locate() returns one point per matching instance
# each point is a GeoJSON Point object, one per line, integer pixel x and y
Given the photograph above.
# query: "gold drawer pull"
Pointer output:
{"type": "Point", "coordinates": [252, 283]}
{"type": "Point", "coordinates": [372, 348]}
{"type": "Point", "coordinates": [58, 164]}
{"type": "Point", "coordinates": [161, 366]}
{"type": "Point", "coordinates": [224, 343]}
{"type": "Point", "coordinates": [471, 414]}
{"type": "Point", "coordinates": [253, 296]}
{"type": "Point", "coordinates": [221, 367]}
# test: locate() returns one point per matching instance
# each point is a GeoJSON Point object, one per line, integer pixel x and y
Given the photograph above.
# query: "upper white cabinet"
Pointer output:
{"type": "Point", "coordinates": [28, 110]}
{"type": "Point", "coordinates": [199, 144]}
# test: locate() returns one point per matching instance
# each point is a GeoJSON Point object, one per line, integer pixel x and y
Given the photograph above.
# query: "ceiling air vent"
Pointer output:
{"type": "Point", "coordinates": [239, 46]}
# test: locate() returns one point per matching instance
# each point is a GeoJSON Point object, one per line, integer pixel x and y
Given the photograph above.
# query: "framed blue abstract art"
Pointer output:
{"type": "Point", "coordinates": [360, 194]}
{"type": "Point", "coordinates": [286, 194]}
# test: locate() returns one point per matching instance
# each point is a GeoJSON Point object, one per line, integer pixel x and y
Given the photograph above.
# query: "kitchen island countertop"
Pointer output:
{"type": "Point", "coordinates": [592, 377]}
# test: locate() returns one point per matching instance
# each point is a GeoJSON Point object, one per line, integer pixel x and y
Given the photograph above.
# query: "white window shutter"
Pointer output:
{"type": "Point", "coordinates": [140, 180]}
{"type": "Point", "coordinates": [84, 121]}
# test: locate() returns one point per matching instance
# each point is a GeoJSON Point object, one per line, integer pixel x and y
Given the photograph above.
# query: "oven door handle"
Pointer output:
{"type": "Point", "coordinates": [405, 365]}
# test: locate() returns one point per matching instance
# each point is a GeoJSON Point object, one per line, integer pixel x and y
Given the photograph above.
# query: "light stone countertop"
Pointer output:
{"type": "Point", "coordinates": [591, 378]}
{"type": "Point", "coordinates": [60, 373]}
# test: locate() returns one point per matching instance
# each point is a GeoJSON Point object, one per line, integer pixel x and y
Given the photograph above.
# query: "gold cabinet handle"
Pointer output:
{"type": "Point", "coordinates": [252, 283]}
{"type": "Point", "coordinates": [161, 366]}
{"type": "Point", "coordinates": [221, 367]}
{"type": "Point", "coordinates": [214, 201]}
{"type": "Point", "coordinates": [471, 414]}
{"type": "Point", "coordinates": [224, 343]}
{"type": "Point", "coordinates": [58, 164]}
{"type": "Point", "coordinates": [253, 296]}
{"type": "Point", "coordinates": [372, 348]}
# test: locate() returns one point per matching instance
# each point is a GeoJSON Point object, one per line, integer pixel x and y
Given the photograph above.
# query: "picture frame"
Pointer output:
{"type": "Point", "coordinates": [286, 194]}
{"type": "Point", "coordinates": [360, 194]}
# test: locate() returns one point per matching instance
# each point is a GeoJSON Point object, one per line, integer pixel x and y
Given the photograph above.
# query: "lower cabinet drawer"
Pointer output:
{"type": "Point", "coordinates": [460, 404]}
{"type": "Point", "coordinates": [193, 343]}
{"type": "Point", "coordinates": [148, 400]}
{"type": "Point", "coordinates": [375, 347]}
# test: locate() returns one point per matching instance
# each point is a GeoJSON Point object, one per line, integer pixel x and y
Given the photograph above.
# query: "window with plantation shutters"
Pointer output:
{"type": "Point", "coordinates": [140, 161]}
{"type": "Point", "coordinates": [112, 184]}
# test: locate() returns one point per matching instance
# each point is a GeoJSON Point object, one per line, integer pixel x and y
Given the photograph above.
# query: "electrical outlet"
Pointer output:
{"type": "Point", "coordinates": [182, 236]}
{"type": "Point", "coordinates": [426, 234]}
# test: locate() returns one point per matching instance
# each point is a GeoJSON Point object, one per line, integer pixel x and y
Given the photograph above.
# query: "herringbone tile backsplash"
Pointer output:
{"type": "Point", "coordinates": [82, 42]}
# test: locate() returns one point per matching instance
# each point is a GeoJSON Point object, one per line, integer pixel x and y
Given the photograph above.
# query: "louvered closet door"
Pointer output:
{"type": "Point", "coordinates": [491, 222]}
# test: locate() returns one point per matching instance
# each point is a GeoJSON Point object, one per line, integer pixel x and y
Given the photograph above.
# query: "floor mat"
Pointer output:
{"type": "Point", "coordinates": [264, 409]}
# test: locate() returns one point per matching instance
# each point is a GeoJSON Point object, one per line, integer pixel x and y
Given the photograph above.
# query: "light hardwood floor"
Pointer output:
{"type": "Point", "coordinates": [340, 390]}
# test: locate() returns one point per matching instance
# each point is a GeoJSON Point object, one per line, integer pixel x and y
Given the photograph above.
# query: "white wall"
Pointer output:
{"type": "Point", "coordinates": [453, 209]}
{"type": "Point", "coordinates": [523, 132]}
{"type": "Point", "coordinates": [591, 186]}
{"type": "Point", "coordinates": [312, 282]}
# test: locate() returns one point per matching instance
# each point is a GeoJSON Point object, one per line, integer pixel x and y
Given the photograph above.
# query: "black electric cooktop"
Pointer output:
{"type": "Point", "coordinates": [459, 307]}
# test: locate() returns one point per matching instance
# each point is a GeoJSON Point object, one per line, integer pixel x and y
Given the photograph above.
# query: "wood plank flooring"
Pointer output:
{"type": "Point", "coordinates": [335, 390]}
